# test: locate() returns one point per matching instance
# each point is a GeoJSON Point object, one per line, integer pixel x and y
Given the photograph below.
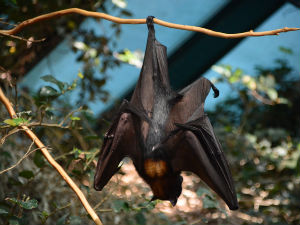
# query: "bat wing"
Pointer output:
{"type": "Point", "coordinates": [195, 147]}
{"type": "Point", "coordinates": [154, 72]}
{"type": "Point", "coordinates": [120, 141]}
{"type": "Point", "coordinates": [191, 103]}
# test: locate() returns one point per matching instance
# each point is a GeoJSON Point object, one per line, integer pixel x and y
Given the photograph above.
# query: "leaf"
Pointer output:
{"type": "Point", "coordinates": [286, 50]}
{"type": "Point", "coordinates": [26, 174]}
{"type": "Point", "coordinates": [15, 122]}
{"type": "Point", "coordinates": [272, 93]}
{"type": "Point", "coordinates": [126, 12]}
{"type": "Point", "coordinates": [3, 211]}
{"type": "Point", "coordinates": [28, 204]}
{"type": "Point", "coordinates": [119, 205]}
{"type": "Point", "coordinates": [13, 221]}
{"type": "Point", "coordinates": [203, 191]}
{"type": "Point", "coordinates": [38, 159]}
{"type": "Point", "coordinates": [74, 118]}
{"type": "Point", "coordinates": [80, 75]}
{"type": "Point", "coordinates": [48, 91]}
{"type": "Point", "coordinates": [62, 220]}
{"type": "Point", "coordinates": [140, 218]}
{"type": "Point", "coordinates": [208, 203]}
{"type": "Point", "coordinates": [120, 3]}
{"type": "Point", "coordinates": [51, 79]}
{"type": "Point", "coordinates": [236, 76]}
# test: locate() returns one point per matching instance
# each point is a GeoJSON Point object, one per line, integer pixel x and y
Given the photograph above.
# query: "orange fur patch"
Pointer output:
{"type": "Point", "coordinates": [155, 168]}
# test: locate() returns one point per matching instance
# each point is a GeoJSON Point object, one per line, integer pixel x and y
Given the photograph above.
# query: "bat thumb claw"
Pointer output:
{"type": "Point", "coordinates": [216, 90]}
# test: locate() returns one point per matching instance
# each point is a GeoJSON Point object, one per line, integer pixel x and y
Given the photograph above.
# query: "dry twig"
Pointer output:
{"type": "Point", "coordinates": [50, 159]}
{"type": "Point", "coordinates": [114, 19]}
{"type": "Point", "coordinates": [28, 152]}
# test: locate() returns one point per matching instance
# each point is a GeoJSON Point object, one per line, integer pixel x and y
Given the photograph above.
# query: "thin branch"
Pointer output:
{"type": "Point", "coordinates": [38, 124]}
{"type": "Point", "coordinates": [28, 152]}
{"type": "Point", "coordinates": [11, 132]}
{"type": "Point", "coordinates": [50, 159]}
{"type": "Point", "coordinates": [20, 38]}
{"type": "Point", "coordinates": [266, 101]}
{"type": "Point", "coordinates": [114, 19]}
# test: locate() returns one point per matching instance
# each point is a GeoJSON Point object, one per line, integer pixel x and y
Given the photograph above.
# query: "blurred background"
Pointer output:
{"type": "Point", "coordinates": [68, 87]}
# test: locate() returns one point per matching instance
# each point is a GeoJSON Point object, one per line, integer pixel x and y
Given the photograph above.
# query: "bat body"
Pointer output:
{"type": "Point", "coordinates": [165, 132]}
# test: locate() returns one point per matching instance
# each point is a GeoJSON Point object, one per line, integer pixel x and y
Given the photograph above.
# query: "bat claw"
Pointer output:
{"type": "Point", "coordinates": [173, 202]}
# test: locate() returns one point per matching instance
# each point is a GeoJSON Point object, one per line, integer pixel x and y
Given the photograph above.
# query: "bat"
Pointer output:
{"type": "Point", "coordinates": [165, 133]}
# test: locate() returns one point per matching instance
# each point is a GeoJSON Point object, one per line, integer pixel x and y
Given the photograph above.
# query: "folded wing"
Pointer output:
{"type": "Point", "coordinates": [120, 141]}
{"type": "Point", "coordinates": [197, 149]}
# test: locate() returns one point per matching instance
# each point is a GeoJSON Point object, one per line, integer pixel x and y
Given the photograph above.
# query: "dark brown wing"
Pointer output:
{"type": "Point", "coordinates": [121, 140]}
{"type": "Point", "coordinates": [154, 70]}
{"type": "Point", "coordinates": [191, 104]}
{"type": "Point", "coordinates": [197, 149]}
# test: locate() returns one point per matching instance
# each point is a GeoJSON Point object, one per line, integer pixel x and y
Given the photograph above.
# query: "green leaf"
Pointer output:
{"type": "Point", "coordinates": [15, 122]}
{"type": "Point", "coordinates": [119, 205]}
{"type": "Point", "coordinates": [38, 159]}
{"type": "Point", "coordinates": [208, 203]}
{"type": "Point", "coordinates": [286, 50]}
{"type": "Point", "coordinates": [48, 91]}
{"type": "Point", "coordinates": [3, 211]}
{"type": "Point", "coordinates": [203, 191]}
{"type": "Point", "coordinates": [28, 204]}
{"type": "Point", "coordinates": [140, 218]}
{"type": "Point", "coordinates": [13, 221]}
{"type": "Point", "coordinates": [272, 93]}
{"type": "Point", "coordinates": [236, 76]}
{"type": "Point", "coordinates": [62, 220]}
{"type": "Point", "coordinates": [26, 174]}
{"type": "Point", "coordinates": [51, 79]}
{"type": "Point", "coordinates": [74, 118]}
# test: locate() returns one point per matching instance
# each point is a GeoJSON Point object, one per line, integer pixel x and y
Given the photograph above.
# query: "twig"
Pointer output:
{"type": "Point", "coordinates": [114, 19]}
{"type": "Point", "coordinates": [20, 38]}
{"type": "Point", "coordinates": [20, 160]}
{"type": "Point", "coordinates": [11, 132]}
{"type": "Point", "coordinates": [266, 101]}
{"type": "Point", "coordinates": [38, 124]}
{"type": "Point", "coordinates": [50, 159]}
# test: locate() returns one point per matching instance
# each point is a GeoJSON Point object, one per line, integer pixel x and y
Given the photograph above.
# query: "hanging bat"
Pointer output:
{"type": "Point", "coordinates": [165, 132]}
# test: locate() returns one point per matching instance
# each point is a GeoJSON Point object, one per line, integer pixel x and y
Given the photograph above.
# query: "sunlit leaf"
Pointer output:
{"type": "Point", "coordinates": [272, 93]}
{"type": "Point", "coordinates": [16, 121]}
{"type": "Point", "coordinates": [74, 118]}
{"type": "Point", "coordinates": [51, 79]}
{"type": "Point", "coordinates": [120, 3]}
{"type": "Point", "coordinates": [48, 91]}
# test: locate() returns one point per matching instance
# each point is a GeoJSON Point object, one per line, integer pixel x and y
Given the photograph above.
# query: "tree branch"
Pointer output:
{"type": "Point", "coordinates": [50, 159]}
{"type": "Point", "coordinates": [114, 19]}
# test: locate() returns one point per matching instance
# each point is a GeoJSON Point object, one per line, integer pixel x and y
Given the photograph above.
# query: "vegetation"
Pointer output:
{"type": "Point", "coordinates": [257, 126]}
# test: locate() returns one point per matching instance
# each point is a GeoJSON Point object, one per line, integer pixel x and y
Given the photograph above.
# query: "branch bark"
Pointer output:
{"type": "Point", "coordinates": [114, 19]}
{"type": "Point", "coordinates": [51, 160]}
